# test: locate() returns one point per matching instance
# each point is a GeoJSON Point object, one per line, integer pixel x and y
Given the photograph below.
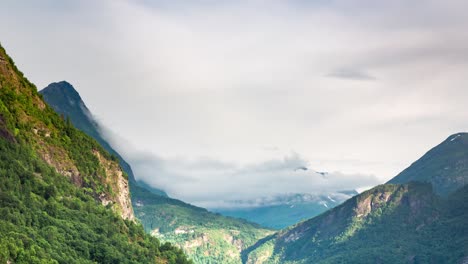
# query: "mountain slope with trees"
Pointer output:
{"type": "Point", "coordinates": [391, 223]}
{"type": "Point", "coordinates": [445, 166]}
{"type": "Point", "coordinates": [63, 198]}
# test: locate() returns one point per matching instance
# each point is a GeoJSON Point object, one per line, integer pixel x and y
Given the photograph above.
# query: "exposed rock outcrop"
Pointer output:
{"type": "Point", "coordinates": [114, 177]}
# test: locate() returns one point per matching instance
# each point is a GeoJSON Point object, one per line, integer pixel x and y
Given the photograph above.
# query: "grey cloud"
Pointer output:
{"type": "Point", "coordinates": [351, 74]}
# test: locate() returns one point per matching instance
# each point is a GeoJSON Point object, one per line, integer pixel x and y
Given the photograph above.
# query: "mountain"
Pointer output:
{"type": "Point", "coordinates": [63, 198]}
{"type": "Point", "coordinates": [206, 237]}
{"type": "Point", "coordinates": [280, 211]}
{"type": "Point", "coordinates": [66, 101]}
{"type": "Point", "coordinates": [445, 166]}
{"type": "Point", "coordinates": [391, 223]}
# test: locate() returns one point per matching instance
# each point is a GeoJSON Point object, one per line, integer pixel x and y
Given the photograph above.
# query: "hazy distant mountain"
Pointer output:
{"type": "Point", "coordinates": [281, 211]}
{"type": "Point", "coordinates": [391, 223]}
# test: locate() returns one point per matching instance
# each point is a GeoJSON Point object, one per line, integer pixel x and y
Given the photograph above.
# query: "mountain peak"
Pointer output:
{"type": "Point", "coordinates": [61, 85]}
{"type": "Point", "coordinates": [62, 89]}
{"type": "Point", "coordinates": [459, 137]}
{"type": "Point", "coordinates": [444, 166]}
{"type": "Point", "coordinates": [64, 83]}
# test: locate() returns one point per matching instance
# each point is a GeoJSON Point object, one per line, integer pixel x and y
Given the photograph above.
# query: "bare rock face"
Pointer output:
{"type": "Point", "coordinates": [111, 174]}
{"type": "Point", "coordinates": [119, 184]}
{"type": "Point", "coordinates": [58, 159]}
{"type": "Point", "coordinates": [124, 199]}
{"type": "Point", "coordinates": [367, 205]}
{"type": "Point", "coordinates": [118, 197]}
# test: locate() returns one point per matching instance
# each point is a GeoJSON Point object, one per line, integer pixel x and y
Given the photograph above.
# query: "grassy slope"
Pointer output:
{"type": "Point", "coordinates": [50, 218]}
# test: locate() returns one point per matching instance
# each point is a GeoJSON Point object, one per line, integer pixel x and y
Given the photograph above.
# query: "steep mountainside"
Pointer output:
{"type": "Point", "coordinates": [206, 237]}
{"type": "Point", "coordinates": [283, 210]}
{"type": "Point", "coordinates": [65, 100]}
{"type": "Point", "coordinates": [391, 223]}
{"type": "Point", "coordinates": [366, 218]}
{"type": "Point", "coordinates": [445, 166]}
{"type": "Point", "coordinates": [63, 198]}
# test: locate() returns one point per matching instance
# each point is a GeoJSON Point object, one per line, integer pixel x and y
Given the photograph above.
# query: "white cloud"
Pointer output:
{"type": "Point", "coordinates": [212, 183]}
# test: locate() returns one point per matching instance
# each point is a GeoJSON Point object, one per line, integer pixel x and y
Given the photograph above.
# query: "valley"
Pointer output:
{"type": "Point", "coordinates": [233, 132]}
{"type": "Point", "coordinates": [406, 206]}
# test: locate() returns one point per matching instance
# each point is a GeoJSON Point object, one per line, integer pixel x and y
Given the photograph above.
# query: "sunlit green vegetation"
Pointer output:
{"type": "Point", "coordinates": [206, 237]}
{"type": "Point", "coordinates": [46, 219]}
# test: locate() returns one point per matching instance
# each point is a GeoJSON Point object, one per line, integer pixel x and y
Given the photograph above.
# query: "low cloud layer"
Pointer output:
{"type": "Point", "coordinates": [212, 183]}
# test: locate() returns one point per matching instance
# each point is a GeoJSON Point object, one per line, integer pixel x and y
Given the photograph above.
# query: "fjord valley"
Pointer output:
{"type": "Point", "coordinates": [426, 202]}
{"type": "Point", "coordinates": [69, 197]}
{"type": "Point", "coordinates": [233, 132]}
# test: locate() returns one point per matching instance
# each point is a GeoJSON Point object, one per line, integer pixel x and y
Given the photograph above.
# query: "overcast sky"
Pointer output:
{"type": "Point", "coordinates": [224, 99]}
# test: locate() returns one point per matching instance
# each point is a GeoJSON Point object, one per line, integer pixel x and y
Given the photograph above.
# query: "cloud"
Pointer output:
{"type": "Point", "coordinates": [212, 183]}
{"type": "Point", "coordinates": [351, 74]}
{"type": "Point", "coordinates": [282, 199]}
